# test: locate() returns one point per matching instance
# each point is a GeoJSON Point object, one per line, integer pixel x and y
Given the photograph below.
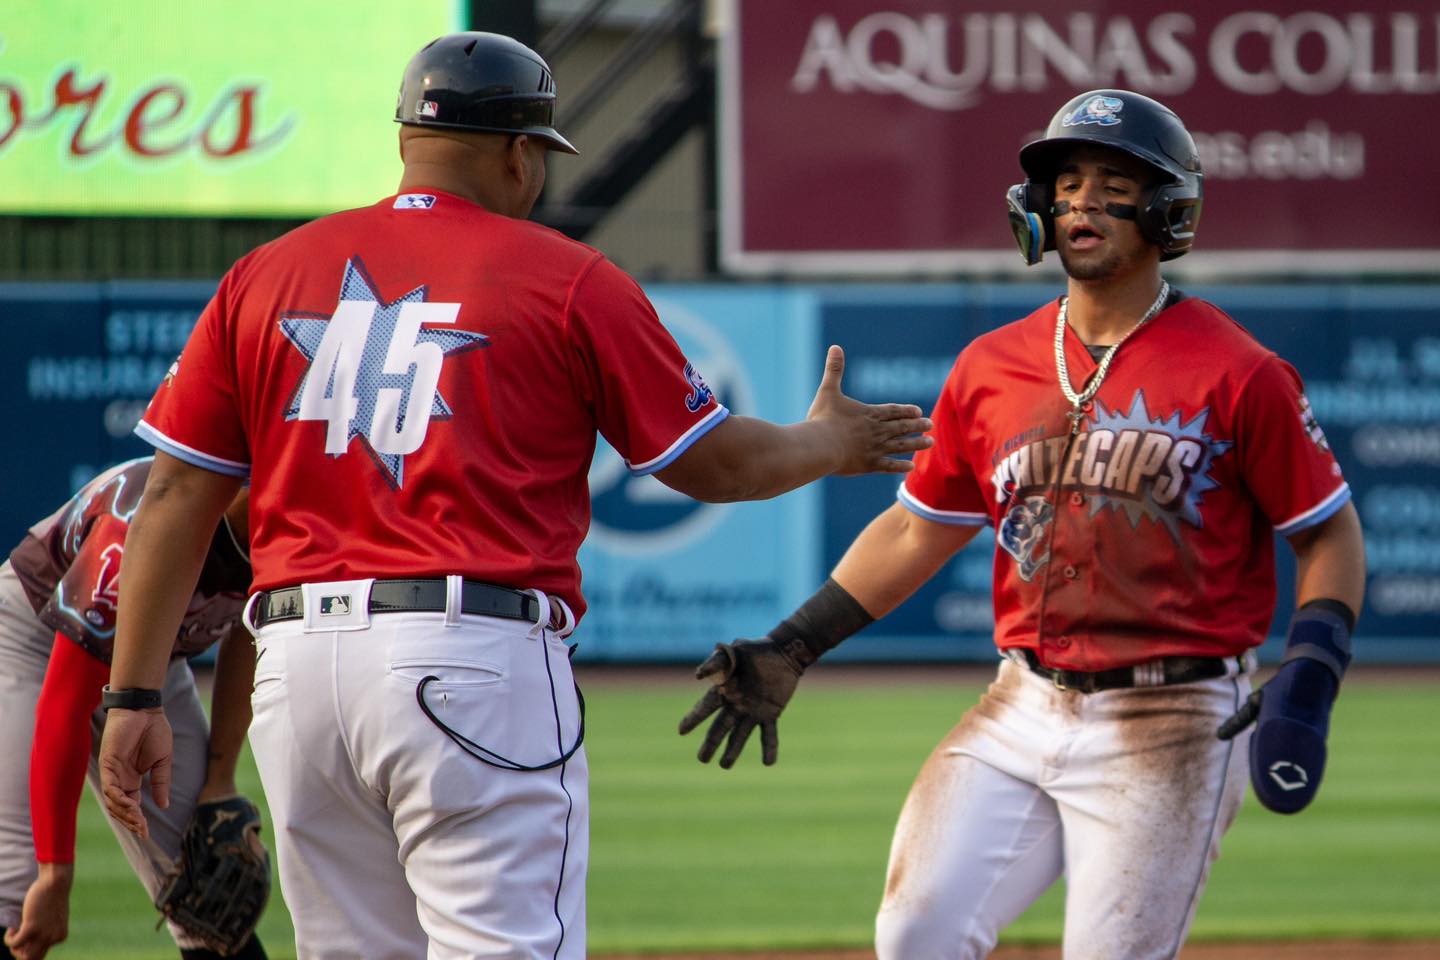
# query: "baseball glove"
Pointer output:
{"type": "Point", "coordinates": [219, 889]}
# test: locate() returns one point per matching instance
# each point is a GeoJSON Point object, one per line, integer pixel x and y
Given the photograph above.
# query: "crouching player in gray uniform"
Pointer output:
{"type": "Point", "coordinates": [57, 622]}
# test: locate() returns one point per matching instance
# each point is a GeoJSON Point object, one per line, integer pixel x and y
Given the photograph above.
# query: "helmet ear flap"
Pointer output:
{"type": "Point", "coordinates": [1169, 213]}
{"type": "Point", "coordinates": [1031, 220]}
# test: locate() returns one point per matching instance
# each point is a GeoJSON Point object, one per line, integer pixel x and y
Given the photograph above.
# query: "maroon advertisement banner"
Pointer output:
{"type": "Point", "coordinates": [880, 135]}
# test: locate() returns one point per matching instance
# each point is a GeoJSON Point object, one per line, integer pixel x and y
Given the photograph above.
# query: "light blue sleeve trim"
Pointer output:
{"type": "Point", "coordinates": [696, 431]}
{"type": "Point", "coordinates": [955, 518]}
{"type": "Point", "coordinates": [190, 455]}
{"type": "Point", "coordinates": [1319, 513]}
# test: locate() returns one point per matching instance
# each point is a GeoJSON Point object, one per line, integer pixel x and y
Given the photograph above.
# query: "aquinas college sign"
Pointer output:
{"type": "Point", "coordinates": [949, 61]}
{"type": "Point", "coordinates": [880, 135]}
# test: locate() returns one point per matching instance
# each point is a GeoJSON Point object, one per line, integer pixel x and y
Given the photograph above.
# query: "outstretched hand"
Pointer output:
{"type": "Point", "coordinates": [753, 680]}
{"type": "Point", "coordinates": [872, 435]}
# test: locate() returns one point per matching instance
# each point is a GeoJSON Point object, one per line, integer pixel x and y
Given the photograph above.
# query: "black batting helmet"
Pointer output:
{"type": "Point", "coordinates": [1169, 208]}
{"type": "Point", "coordinates": [481, 81]}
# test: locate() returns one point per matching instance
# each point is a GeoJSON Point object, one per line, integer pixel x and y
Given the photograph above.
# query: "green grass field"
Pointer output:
{"type": "Point", "coordinates": [686, 856]}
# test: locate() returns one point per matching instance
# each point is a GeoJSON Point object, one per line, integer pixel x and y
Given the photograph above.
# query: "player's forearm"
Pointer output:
{"type": "Point", "coordinates": [749, 459]}
{"type": "Point", "coordinates": [163, 556]}
{"type": "Point", "coordinates": [894, 556]}
{"type": "Point", "coordinates": [229, 712]}
{"type": "Point", "coordinates": [58, 875]}
{"type": "Point", "coordinates": [164, 551]}
{"type": "Point", "coordinates": [1330, 561]}
{"type": "Point", "coordinates": [776, 459]}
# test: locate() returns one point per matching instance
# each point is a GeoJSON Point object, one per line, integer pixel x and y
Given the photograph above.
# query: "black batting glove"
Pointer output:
{"type": "Point", "coordinates": [752, 681]}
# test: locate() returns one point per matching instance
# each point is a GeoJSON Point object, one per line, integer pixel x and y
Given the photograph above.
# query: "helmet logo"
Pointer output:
{"type": "Point", "coordinates": [1101, 110]}
{"type": "Point", "coordinates": [427, 108]}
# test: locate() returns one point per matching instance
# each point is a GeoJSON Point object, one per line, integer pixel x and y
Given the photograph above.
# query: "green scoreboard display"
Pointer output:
{"type": "Point", "coordinates": [164, 107]}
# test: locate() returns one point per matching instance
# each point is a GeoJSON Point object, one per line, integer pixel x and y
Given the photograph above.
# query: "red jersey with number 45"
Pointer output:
{"type": "Point", "coordinates": [415, 388]}
{"type": "Point", "coordinates": [1150, 532]}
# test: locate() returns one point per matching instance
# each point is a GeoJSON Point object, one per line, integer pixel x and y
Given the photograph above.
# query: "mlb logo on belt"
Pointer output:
{"type": "Point", "coordinates": [336, 606]}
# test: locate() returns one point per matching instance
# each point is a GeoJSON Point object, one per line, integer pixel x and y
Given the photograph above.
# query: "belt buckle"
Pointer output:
{"type": "Point", "coordinates": [1057, 677]}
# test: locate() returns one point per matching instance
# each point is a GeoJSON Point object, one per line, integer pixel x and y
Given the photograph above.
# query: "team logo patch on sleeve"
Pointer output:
{"type": "Point", "coordinates": [1311, 425]}
{"type": "Point", "coordinates": [699, 394]}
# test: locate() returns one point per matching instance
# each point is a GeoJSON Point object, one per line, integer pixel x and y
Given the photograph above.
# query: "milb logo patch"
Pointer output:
{"type": "Point", "coordinates": [337, 606]}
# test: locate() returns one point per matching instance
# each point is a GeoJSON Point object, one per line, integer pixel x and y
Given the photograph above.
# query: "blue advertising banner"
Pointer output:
{"type": "Point", "coordinates": [80, 363]}
{"type": "Point", "coordinates": [1370, 357]}
{"type": "Point", "coordinates": [907, 360]}
{"type": "Point", "coordinates": [667, 577]}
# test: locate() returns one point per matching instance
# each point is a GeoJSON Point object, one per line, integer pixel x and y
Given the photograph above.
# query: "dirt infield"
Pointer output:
{"type": "Point", "coordinates": [1308, 950]}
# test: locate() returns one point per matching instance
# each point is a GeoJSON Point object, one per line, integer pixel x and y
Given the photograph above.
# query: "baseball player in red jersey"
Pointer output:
{"type": "Point", "coordinates": [58, 592]}
{"type": "Point", "coordinates": [1135, 451]}
{"type": "Point", "coordinates": [415, 390]}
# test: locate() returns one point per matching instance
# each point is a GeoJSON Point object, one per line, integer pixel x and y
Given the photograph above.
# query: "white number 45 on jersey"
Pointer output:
{"type": "Point", "coordinates": [343, 383]}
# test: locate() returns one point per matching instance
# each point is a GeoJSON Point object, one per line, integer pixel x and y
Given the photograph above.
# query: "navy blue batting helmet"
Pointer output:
{"type": "Point", "coordinates": [1169, 208]}
{"type": "Point", "coordinates": [481, 81]}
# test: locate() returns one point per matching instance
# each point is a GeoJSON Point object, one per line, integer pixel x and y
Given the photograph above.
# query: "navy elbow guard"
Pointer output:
{"type": "Point", "coordinates": [1287, 751]}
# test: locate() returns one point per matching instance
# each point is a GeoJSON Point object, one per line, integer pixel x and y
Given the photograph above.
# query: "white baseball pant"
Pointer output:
{"type": "Point", "coordinates": [394, 842]}
{"type": "Point", "coordinates": [1125, 793]}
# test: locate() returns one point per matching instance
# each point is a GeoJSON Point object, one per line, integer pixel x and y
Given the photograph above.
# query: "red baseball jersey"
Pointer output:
{"type": "Point", "coordinates": [1151, 532]}
{"type": "Point", "coordinates": [415, 388]}
{"type": "Point", "coordinates": [69, 565]}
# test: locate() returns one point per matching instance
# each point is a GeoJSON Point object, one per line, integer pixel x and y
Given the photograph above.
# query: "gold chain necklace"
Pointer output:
{"type": "Point", "coordinates": [1079, 401]}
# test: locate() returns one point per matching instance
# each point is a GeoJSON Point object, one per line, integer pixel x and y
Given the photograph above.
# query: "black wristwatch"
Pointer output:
{"type": "Point", "coordinates": [135, 698]}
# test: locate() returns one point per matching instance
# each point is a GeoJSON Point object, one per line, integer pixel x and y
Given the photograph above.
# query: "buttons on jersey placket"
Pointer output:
{"type": "Point", "coordinates": [1069, 573]}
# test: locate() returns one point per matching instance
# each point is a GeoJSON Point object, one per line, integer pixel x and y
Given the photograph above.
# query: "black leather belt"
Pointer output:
{"type": "Point", "coordinates": [1156, 673]}
{"type": "Point", "coordinates": [400, 596]}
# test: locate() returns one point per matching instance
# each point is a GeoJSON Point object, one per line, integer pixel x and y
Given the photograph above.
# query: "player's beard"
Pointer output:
{"type": "Point", "coordinates": [1102, 268]}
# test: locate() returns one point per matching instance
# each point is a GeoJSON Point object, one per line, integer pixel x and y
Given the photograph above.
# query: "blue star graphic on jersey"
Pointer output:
{"type": "Point", "coordinates": [306, 331]}
{"type": "Point", "coordinates": [1186, 504]}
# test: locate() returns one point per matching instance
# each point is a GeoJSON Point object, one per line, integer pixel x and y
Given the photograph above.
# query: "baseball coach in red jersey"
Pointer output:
{"type": "Point", "coordinates": [414, 391]}
{"type": "Point", "coordinates": [1135, 451]}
